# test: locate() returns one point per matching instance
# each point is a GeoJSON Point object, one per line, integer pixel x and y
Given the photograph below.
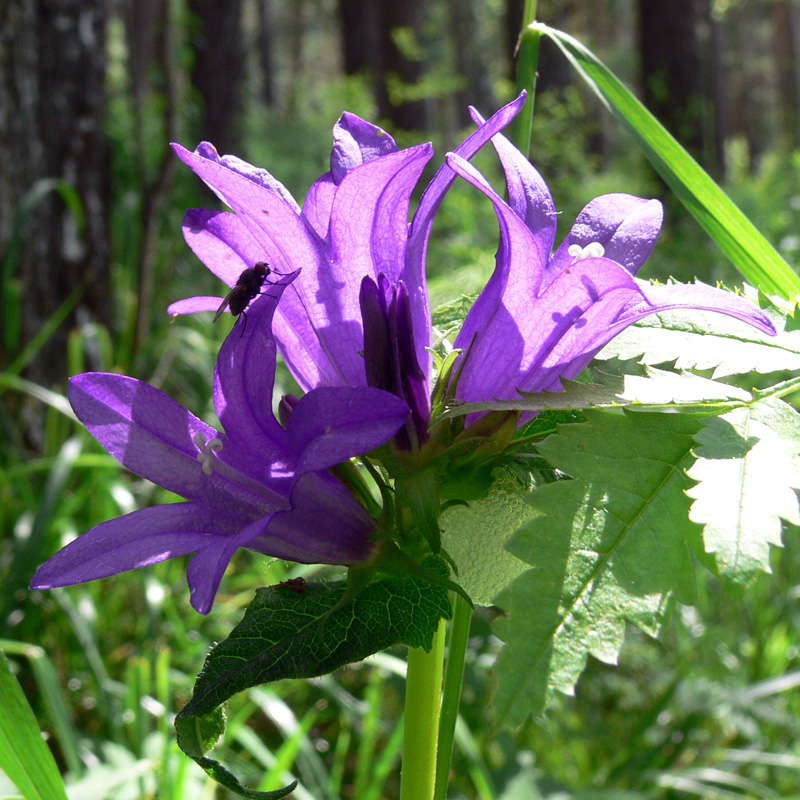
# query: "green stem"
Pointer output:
{"type": "Point", "coordinates": [527, 60]}
{"type": "Point", "coordinates": [421, 725]}
{"type": "Point", "coordinates": [451, 695]}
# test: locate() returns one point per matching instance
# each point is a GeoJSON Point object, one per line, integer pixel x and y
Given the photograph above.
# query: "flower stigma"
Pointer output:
{"type": "Point", "coordinates": [592, 250]}
{"type": "Point", "coordinates": [207, 450]}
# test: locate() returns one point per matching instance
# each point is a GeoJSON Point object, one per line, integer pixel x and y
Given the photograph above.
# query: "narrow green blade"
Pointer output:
{"type": "Point", "coordinates": [738, 238]}
{"type": "Point", "coordinates": [24, 756]}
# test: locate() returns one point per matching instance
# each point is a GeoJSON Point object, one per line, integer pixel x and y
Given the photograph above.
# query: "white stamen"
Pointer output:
{"type": "Point", "coordinates": [592, 250]}
{"type": "Point", "coordinates": [207, 450]}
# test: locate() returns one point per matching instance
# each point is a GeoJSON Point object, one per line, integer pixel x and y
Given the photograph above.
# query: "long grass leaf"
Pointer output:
{"type": "Point", "coordinates": [48, 684]}
{"type": "Point", "coordinates": [724, 222]}
{"type": "Point", "coordinates": [24, 756]}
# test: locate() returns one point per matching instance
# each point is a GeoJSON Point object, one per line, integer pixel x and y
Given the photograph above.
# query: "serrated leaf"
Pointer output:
{"type": "Point", "coordinates": [606, 548]}
{"type": "Point", "coordinates": [658, 390]}
{"type": "Point", "coordinates": [704, 340]}
{"type": "Point", "coordinates": [286, 633]}
{"type": "Point", "coordinates": [747, 473]}
{"type": "Point", "coordinates": [300, 631]}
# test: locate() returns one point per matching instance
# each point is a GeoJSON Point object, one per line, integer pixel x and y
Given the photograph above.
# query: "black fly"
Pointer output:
{"type": "Point", "coordinates": [247, 286]}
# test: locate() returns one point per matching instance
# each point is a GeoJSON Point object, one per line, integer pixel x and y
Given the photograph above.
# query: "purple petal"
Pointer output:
{"type": "Point", "coordinates": [411, 381]}
{"type": "Point", "coordinates": [319, 200]}
{"type": "Point", "coordinates": [257, 175]}
{"type": "Point", "coordinates": [193, 305]}
{"type": "Point", "coordinates": [506, 300]}
{"type": "Point", "coordinates": [206, 569]}
{"type": "Point", "coordinates": [528, 194]}
{"type": "Point", "coordinates": [378, 365]}
{"type": "Point", "coordinates": [135, 540]}
{"type": "Point", "coordinates": [368, 230]}
{"type": "Point", "coordinates": [154, 437]}
{"type": "Point", "coordinates": [356, 141]}
{"type": "Point", "coordinates": [222, 242]}
{"type": "Point", "coordinates": [330, 425]}
{"type": "Point", "coordinates": [625, 225]}
{"type": "Point", "coordinates": [547, 330]}
{"type": "Point", "coordinates": [326, 525]}
{"type": "Point", "coordinates": [694, 295]}
{"type": "Point", "coordinates": [275, 223]}
{"type": "Point", "coordinates": [414, 273]}
{"type": "Point", "coordinates": [244, 380]}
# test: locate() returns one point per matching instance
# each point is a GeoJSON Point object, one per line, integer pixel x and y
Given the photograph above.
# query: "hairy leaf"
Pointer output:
{"type": "Point", "coordinates": [609, 546]}
{"type": "Point", "coordinates": [302, 630]}
{"type": "Point", "coordinates": [703, 340]}
{"type": "Point", "coordinates": [658, 390]}
{"type": "Point", "coordinates": [747, 473]}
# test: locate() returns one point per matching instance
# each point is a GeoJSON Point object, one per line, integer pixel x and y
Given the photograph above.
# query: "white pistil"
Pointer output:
{"type": "Point", "coordinates": [592, 250]}
{"type": "Point", "coordinates": [207, 450]}
{"type": "Point", "coordinates": [211, 463]}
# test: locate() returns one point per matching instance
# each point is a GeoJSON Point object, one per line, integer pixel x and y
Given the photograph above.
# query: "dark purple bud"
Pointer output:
{"type": "Point", "coordinates": [377, 344]}
{"type": "Point", "coordinates": [286, 406]}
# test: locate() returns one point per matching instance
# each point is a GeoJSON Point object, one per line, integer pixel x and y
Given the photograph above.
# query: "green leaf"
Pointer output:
{"type": "Point", "coordinates": [474, 536]}
{"type": "Point", "coordinates": [24, 756]}
{"type": "Point", "coordinates": [704, 340]}
{"type": "Point", "coordinates": [221, 775]}
{"type": "Point", "coordinates": [657, 390]}
{"type": "Point", "coordinates": [739, 239]}
{"type": "Point", "coordinates": [302, 631]}
{"type": "Point", "coordinates": [607, 547]}
{"type": "Point", "coordinates": [747, 473]}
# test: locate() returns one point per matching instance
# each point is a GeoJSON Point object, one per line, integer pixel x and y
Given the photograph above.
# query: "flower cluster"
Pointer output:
{"type": "Point", "coordinates": [351, 318]}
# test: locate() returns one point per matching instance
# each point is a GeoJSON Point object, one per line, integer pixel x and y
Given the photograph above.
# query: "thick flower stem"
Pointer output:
{"type": "Point", "coordinates": [451, 696]}
{"type": "Point", "coordinates": [421, 726]}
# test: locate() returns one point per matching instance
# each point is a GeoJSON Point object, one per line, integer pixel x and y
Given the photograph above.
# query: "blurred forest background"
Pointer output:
{"type": "Point", "coordinates": [91, 254]}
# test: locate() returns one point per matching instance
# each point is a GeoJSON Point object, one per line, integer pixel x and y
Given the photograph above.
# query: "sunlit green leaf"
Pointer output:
{"type": "Point", "coordinates": [609, 547]}
{"type": "Point", "coordinates": [747, 473]}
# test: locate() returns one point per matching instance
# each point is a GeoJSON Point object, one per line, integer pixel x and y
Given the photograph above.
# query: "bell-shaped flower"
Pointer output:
{"type": "Point", "coordinates": [353, 228]}
{"type": "Point", "coordinates": [543, 315]}
{"type": "Point", "coordinates": [255, 484]}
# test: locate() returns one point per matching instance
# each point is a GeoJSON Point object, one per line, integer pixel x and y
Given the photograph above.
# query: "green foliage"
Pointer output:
{"type": "Point", "coordinates": [747, 473]}
{"type": "Point", "coordinates": [752, 254]}
{"type": "Point", "coordinates": [303, 631]}
{"type": "Point", "coordinates": [706, 341]}
{"type": "Point", "coordinates": [24, 756]}
{"type": "Point", "coordinates": [607, 547]}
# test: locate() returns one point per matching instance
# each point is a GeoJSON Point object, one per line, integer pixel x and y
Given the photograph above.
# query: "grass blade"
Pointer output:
{"type": "Point", "coordinates": [721, 218]}
{"type": "Point", "coordinates": [24, 756]}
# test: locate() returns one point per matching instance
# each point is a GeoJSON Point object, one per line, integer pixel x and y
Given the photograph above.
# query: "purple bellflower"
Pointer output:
{"type": "Point", "coordinates": [256, 485]}
{"type": "Point", "coordinates": [359, 314]}
{"type": "Point", "coordinates": [543, 315]}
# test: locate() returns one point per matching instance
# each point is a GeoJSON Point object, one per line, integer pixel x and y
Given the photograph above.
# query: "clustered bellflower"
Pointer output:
{"type": "Point", "coordinates": [255, 484]}
{"type": "Point", "coordinates": [545, 314]}
{"type": "Point", "coordinates": [354, 327]}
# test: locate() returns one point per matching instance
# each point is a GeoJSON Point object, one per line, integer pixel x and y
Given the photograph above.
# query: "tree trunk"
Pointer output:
{"type": "Point", "coordinates": [670, 68]}
{"type": "Point", "coordinates": [786, 65]}
{"type": "Point", "coordinates": [400, 67]}
{"type": "Point", "coordinates": [218, 71]}
{"type": "Point", "coordinates": [266, 48]}
{"type": "Point", "coordinates": [52, 102]}
{"type": "Point", "coordinates": [471, 60]}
